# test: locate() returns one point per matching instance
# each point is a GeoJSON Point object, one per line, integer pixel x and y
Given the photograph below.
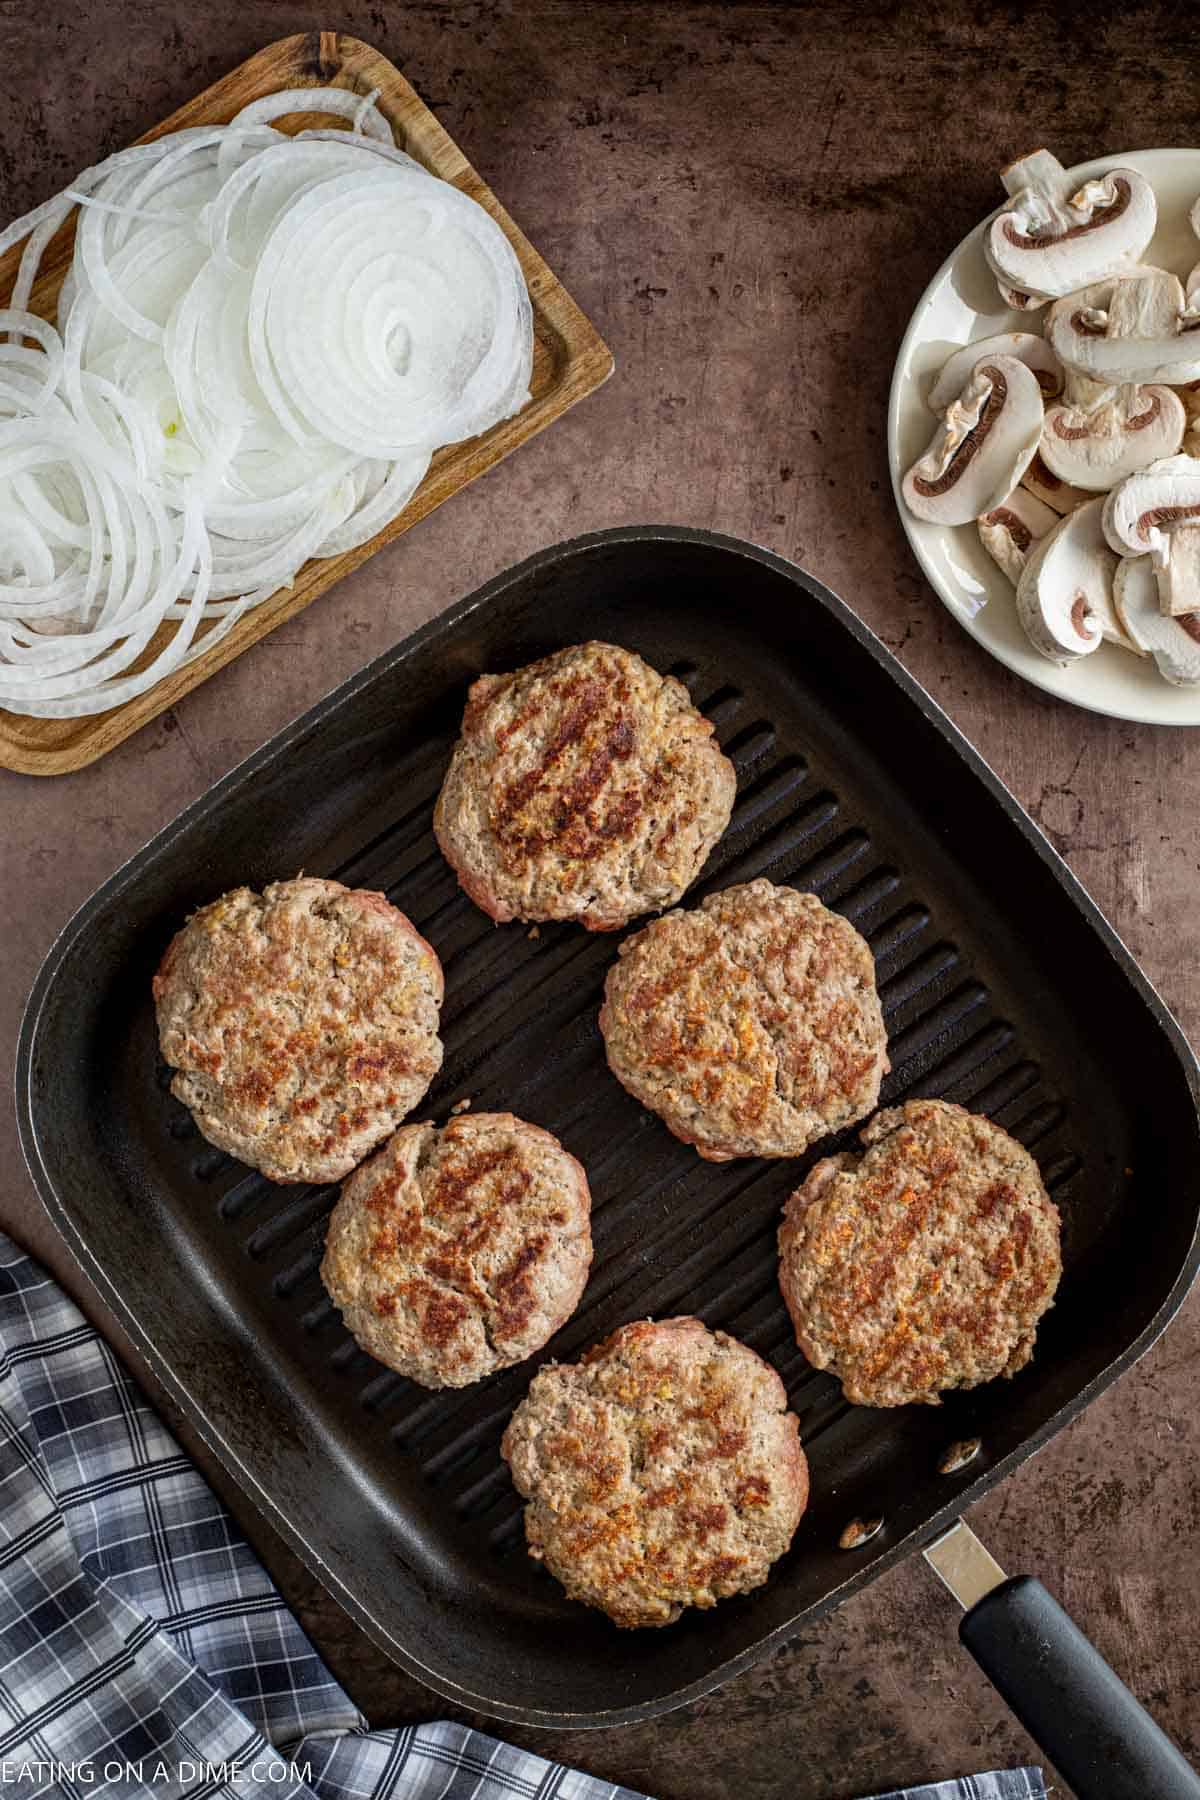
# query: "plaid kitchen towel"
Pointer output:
{"type": "Point", "coordinates": [143, 1648]}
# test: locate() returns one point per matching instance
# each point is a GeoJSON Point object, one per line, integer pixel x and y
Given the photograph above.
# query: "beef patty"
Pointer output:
{"type": "Point", "coordinates": [458, 1251]}
{"type": "Point", "coordinates": [662, 1471]}
{"type": "Point", "coordinates": [302, 1024]}
{"type": "Point", "coordinates": [585, 786]}
{"type": "Point", "coordinates": [926, 1262]}
{"type": "Point", "coordinates": [751, 1025]}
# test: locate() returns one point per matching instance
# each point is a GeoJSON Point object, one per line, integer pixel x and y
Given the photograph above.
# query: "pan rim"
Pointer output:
{"type": "Point", "coordinates": [284, 742]}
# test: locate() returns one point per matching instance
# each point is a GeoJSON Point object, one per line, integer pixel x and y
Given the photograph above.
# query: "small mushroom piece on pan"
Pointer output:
{"type": "Point", "coordinates": [1053, 237]}
{"type": "Point", "coordinates": [1011, 530]}
{"type": "Point", "coordinates": [981, 448]}
{"type": "Point", "coordinates": [1130, 328]}
{"type": "Point", "coordinates": [1026, 346]}
{"type": "Point", "coordinates": [1098, 435]}
{"type": "Point", "coordinates": [1173, 643]}
{"type": "Point", "coordinates": [1064, 596]}
{"type": "Point", "coordinates": [1060, 496]}
{"type": "Point", "coordinates": [1147, 509]}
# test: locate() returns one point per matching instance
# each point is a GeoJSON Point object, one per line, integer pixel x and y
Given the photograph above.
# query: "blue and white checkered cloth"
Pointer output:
{"type": "Point", "coordinates": [143, 1648]}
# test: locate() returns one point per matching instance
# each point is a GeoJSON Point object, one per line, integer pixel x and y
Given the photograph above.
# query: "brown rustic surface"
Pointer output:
{"type": "Point", "coordinates": [748, 200]}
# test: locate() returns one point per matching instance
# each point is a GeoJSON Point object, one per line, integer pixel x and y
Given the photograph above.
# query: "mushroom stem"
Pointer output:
{"type": "Point", "coordinates": [1039, 179]}
{"type": "Point", "coordinates": [1174, 643]}
{"type": "Point", "coordinates": [1084, 395]}
{"type": "Point", "coordinates": [1175, 558]}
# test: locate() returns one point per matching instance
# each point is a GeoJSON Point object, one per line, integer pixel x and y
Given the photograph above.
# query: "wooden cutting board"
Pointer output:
{"type": "Point", "coordinates": [570, 360]}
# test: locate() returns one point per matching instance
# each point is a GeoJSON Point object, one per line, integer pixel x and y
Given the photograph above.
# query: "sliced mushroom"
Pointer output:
{"type": "Point", "coordinates": [1011, 531]}
{"type": "Point", "coordinates": [1019, 302]}
{"type": "Point", "coordinates": [1046, 486]}
{"type": "Point", "coordinates": [1144, 508]}
{"type": "Point", "coordinates": [1051, 240]}
{"type": "Point", "coordinates": [1129, 328]}
{"type": "Point", "coordinates": [1189, 392]}
{"type": "Point", "coordinates": [1122, 596]}
{"type": "Point", "coordinates": [1173, 643]}
{"type": "Point", "coordinates": [1098, 435]}
{"type": "Point", "coordinates": [982, 446]}
{"type": "Point", "coordinates": [1176, 562]}
{"type": "Point", "coordinates": [1026, 346]}
{"type": "Point", "coordinates": [1064, 596]}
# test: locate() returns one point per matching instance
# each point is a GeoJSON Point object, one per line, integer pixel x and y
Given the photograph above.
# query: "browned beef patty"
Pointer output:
{"type": "Point", "coordinates": [923, 1264]}
{"type": "Point", "coordinates": [302, 1023]}
{"type": "Point", "coordinates": [585, 786]}
{"type": "Point", "coordinates": [750, 1025]}
{"type": "Point", "coordinates": [458, 1251]}
{"type": "Point", "coordinates": [663, 1471]}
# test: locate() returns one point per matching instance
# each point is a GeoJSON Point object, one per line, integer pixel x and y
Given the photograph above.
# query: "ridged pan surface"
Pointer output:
{"type": "Point", "coordinates": [1002, 988]}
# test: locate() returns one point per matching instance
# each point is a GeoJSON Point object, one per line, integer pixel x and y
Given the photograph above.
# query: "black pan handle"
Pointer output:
{"type": "Point", "coordinates": [1069, 1700]}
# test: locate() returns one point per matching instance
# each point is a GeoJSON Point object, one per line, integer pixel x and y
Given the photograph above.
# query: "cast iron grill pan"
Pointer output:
{"type": "Point", "coordinates": [1002, 989]}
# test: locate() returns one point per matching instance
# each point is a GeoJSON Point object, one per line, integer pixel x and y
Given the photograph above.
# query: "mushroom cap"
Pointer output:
{"type": "Point", "coordinates": [1026, 346]}
{"type": "Point", "coordinates": [1053, 238]}
{"type": "Point", "coordinates": [1096, 446]}
{"type": "Point", "coordinates": [1126, 329]}
{"type": "Point", "coordinates": [1049, 488]}
{"type": "Point", "coordinates": [981, 448]}
{"type": "Point", "coordinates": [1011, 530]}
{"type": "Point", "coordinates": [1064, 596]}
{"type": "Point", "coordinates": [1154, 500]}
{"type": "Point", "coordinates": [1174, 643]}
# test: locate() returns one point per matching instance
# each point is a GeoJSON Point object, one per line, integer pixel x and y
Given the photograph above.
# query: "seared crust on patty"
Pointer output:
{"type": "Point", "coordinates": [302, 1023]}
{"type": "Point", "coordinates": [751, 1025]}
{"type": "Point", "coordinates": [662, 1471]}
{"type": "Point", "coordinates": [458, 1251]}
{"type": "Point", "coordinates": [924, 1264]}
{"type": "Point", "coordinates": [585, 786]}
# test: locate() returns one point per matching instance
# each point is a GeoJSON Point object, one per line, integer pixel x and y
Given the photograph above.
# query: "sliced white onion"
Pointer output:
{"type": "Point", "coordinates": [383, 349]}
{"type": "Point", "coordinates": [261, 342]}
{"type": "Point", "coordinates": [361, 110]}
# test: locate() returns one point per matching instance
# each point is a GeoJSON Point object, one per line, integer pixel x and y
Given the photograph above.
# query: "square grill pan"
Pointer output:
{"type": "Point", "coordinates": [1002, 986]}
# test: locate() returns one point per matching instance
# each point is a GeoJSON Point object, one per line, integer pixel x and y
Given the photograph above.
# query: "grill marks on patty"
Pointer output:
{"type": "Point", "coordinates": [925, 1263]}
{"type": "Point", "coordinates": [558, 801]}
{"type": "Point", "coordinates": [585, 786]}
{"type": "Point", "coordinates": [455, 1252]}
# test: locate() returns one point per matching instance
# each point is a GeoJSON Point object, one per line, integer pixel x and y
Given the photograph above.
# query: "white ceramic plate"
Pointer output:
{"type": "Point", "coordinates": [959, 305]}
